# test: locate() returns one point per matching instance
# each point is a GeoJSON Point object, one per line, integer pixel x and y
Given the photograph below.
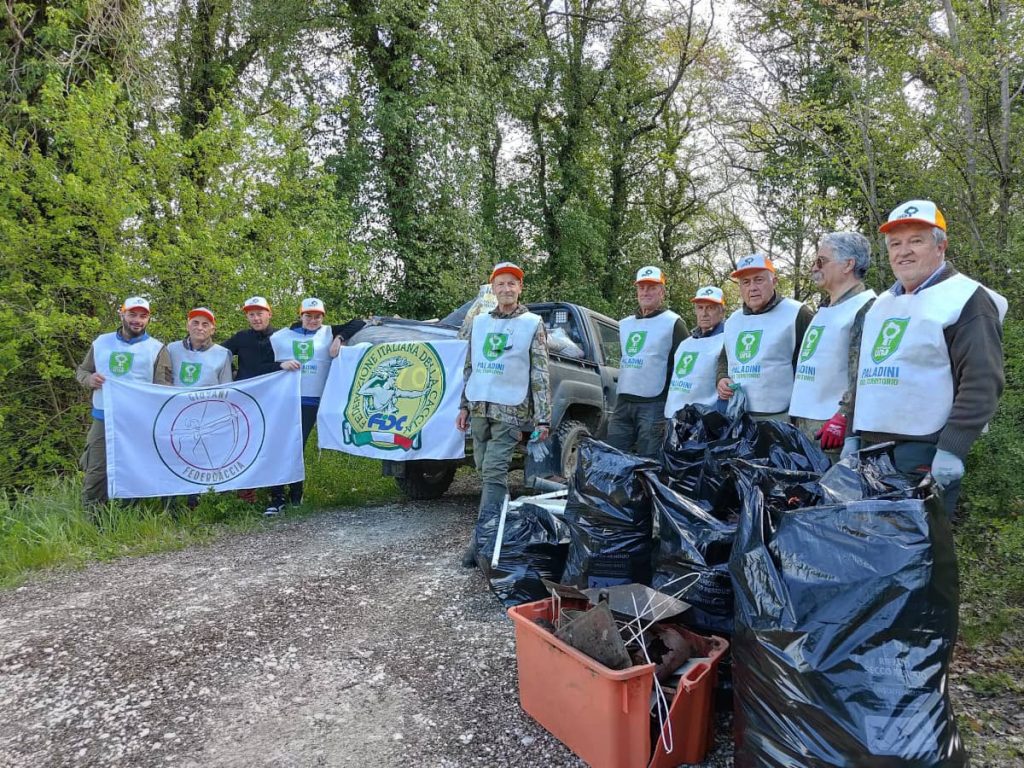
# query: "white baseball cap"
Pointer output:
{"type": "Point", "coordinates": [650, 275]}
{"type": "Point", "coordinates": [312, 305]}
{"type": "Point", "coordinates": [256, 302]}
{"type": "Point", "coordinates": [202, 312]}
{"type": "Point", "coordinates": [919, 211]}
{"type": "Point", "coordinates": [136, 303]}
{"type": "Point", "coordinates": [752, 263]}
{"type": "Point", "coordinates": [709, 293]}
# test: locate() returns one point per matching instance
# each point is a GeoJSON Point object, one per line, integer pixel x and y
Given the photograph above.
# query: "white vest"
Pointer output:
{"type": "Point", "coordinates": [313, 351]}
{"type": "Point", "coordinates": [117, 359]}
{"type": "Point", "coordinates": [760, 353]}
{"type": "Point", "coordinates": [198, 369]}
{"type": "Point", "coordinates": [646, 346]}
{"type": "Point", "coordinates": [822, 372]}
{"type": "Point", "coordinates": [500, 357]}
{"type": "Point", "coordinates": [905, 384]}
{"type": "Point", "coordinates": [693, 373]}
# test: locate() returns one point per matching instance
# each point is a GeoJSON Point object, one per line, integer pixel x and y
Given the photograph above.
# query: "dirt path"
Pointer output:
{"type": "Point", "coordinates": [350, 638]}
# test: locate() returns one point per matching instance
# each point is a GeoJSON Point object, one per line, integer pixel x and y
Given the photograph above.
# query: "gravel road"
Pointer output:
{"type": "Point", "coordinates": [351, 638]}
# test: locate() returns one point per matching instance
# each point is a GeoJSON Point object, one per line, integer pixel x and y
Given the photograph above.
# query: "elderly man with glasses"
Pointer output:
{"type": "Point", "coordinates": [826, 371]}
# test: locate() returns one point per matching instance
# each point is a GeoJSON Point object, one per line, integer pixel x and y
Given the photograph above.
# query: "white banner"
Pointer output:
{"type": "Point", "coordinates": [169, 441]}
{"type": "Point", "coordinates": [397, 400]}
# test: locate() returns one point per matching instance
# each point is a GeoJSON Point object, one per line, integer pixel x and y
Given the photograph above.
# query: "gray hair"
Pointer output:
{"type": "Point", "coordinates": [850, 246]}
{"type": "Point", "coordinates": [938, 235]}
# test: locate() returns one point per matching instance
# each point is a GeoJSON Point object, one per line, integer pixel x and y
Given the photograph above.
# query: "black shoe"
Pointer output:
{"type": "Point", "coordinates": [469, 557]}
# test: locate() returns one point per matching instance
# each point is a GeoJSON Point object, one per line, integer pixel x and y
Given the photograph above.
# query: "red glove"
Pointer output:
{"type": "Point", "coordinates": [832, 433]}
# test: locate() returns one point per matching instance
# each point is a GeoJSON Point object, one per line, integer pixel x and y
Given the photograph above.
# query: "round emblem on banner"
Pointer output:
{"type": "Point", "coordinates": [209, 437]}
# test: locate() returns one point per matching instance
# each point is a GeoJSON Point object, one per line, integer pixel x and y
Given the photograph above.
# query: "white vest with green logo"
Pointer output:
{"type": "Point", "coordinates": [117, 359]}
{"type": "Point", "coordinates": [646, 346]}
{"type": "Point", "coordinates": [822, 371]}
{"type": "Point", "coordinates": [313, 351]}
{"type": "Point", "coordinates": [500, 357]}
{"type": "Point", "coordinates": [760, 353]}
{"type": "Point", "coordinates": [905, 384]}
{"type": "Point", "coordinates": [197, 369]}
{"type": "Point", "coordinates": [693, 373]}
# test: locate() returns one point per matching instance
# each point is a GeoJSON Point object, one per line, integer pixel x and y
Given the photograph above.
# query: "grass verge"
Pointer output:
{"type": "Point", "coordinates": [991, 557]}
{"type": "Point", "coordinates": [48, 527]}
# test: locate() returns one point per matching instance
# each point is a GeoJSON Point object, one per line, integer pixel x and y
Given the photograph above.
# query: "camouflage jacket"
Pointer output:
{"type": "Point", "coordinates": [536, 408]}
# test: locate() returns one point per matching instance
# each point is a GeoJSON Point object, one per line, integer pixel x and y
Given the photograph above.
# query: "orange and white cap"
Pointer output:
{"type": "Point", "coordinates": [917, 211]}
{"type": "Point", "coordinates": [135, 303]}
{"type": "Point", "coordinates": [650, 275]}
{"type": "Point", "coordinates": [202, 312]}
{"type": "Point", "coordinates": [753, 263]}
{"type": "Point", "coordinates": [256, 302]}
{"type": "Point", "coordinates": [506, 268]}
{"type": "Point", "coordinates": [710, 293]}
{"type": "Point", "coordinates": [312, 305]}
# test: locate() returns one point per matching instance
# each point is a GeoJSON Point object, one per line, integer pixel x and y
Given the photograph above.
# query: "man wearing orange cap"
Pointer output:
{"type": "Point", "coordinates": [507, 392]}
{"type": "Point", "coordinates": [696, 359]}
{"type": "Point", "coordinates": [130, 354]}
{"type": "Point", "coordinates": [762, 341]}
{"type": "Point", "coordinates": [195, 360]}
{"type": "Point", "coordinates": [931, 355]}
{"type": "Point", "coordinates": [252, 345]}
{"type": "Point", "coordinates": [648, 339]}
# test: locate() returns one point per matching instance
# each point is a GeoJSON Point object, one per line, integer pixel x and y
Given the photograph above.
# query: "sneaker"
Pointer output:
{"type": "Point", "coordinates": [272, 511]}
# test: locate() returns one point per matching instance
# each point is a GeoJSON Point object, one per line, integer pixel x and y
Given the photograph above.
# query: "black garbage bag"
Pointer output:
{"type": "Point", "coordinates": [609, 517]}
{"type": "Point", "coordinates": [693, 549]}
{"type": "Point", "coordinates": [784, 446]}
{"type": "Point", "coordinates": [534, 545]}
{"type": "Point", "coordinates": [698, 441]}
{"type": "Point", "coordinates": [846, 616]}
{"type": "Point", "coordinates": [868, 474]}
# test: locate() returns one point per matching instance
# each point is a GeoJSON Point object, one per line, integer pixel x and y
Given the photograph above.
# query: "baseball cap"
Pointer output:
{"type": "Point", "coordinates": [506, 267]}
{"type": "Point", "coordinates": [709, 293]}
{"type": "Point", "coordinates": [312, 305]}
{"type": "Point", "coordinates": [202, 312]}
{"type": "Point", "coordinates": [136, 303]}
{"type": "Point", "coordinates": [256, 302]}
{"type": "Point", "coordinates": [921, 211]}
{"type": "Point", "coordinates": [650, 275]}
{"type": "Point", "coordinates": [752, 263]}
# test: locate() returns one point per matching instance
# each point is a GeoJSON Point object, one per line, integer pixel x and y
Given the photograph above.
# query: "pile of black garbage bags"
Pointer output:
{"type": "Point", "coordinates": [836, 586]}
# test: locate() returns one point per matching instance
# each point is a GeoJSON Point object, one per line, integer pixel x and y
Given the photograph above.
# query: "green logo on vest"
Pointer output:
{"type": "Point", "coordinates": [189, 373]}
{"type": "Point", "coordinates": [121, 362]}
{"type": "Point", "coordinates": [748, 344]}
{"type": "Point", "coordinates": [635, 342]}
{"type": "Point", "coordinates": [303, 350]}
{"type": "Point", "coordinates": [685, 365]}
{"type": "Point", "coordinates": [495, 345]}
{"type": "Point", "coordinates": [811, 340]}
{"type": "Point", "coordinates": [889, 338]}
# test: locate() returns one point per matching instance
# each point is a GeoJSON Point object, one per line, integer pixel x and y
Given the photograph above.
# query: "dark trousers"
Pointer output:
{"type": "Point", "coordinates": [295, 489]}
{"type": "Point", "coordinates": [637, 427]}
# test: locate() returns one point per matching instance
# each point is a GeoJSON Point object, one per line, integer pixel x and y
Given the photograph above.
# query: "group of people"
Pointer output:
{"type": "Point", "coordinates": [131, 354]}
{"type": "Point", "coordinates": [920, 365]}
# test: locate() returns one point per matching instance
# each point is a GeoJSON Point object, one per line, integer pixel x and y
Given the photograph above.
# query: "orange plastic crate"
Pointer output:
{"type": "Point", "coordinates": [602, 714]}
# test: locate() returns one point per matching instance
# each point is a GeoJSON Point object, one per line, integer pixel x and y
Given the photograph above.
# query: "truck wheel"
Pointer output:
{"type": "Point", "coordinates": [426, 479]}
{"type": "Point", "coordinates": [570, 433]}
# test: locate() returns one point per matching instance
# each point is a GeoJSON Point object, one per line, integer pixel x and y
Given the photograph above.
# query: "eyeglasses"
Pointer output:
{"type": "Point", "coordinates": [819, 262]}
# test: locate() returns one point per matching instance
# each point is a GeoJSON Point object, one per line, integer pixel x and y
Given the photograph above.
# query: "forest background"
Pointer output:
{"type": "Point", "coordinates": [383, 155]}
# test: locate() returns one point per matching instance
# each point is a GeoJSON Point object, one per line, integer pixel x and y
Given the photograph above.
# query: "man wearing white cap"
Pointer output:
{"type": "Point", "coordinates": [648, 339]}
{"type": "Point", "coordinates": [308, 347]}
{"type": "Point", "coordinates": [695, 362]}
{"type": "Point", "coordinates": [931, 355]}
{"type": "Point", "coordinates": [129, 354]}
{"type": "Point", "coordinates": [762, 341]}
{"type": "Point", "coordinates": [507, 392]}
{"type": "Point", "coordinates": [195, 360]}
{"type": "Point", "coordinates": [826, 373]}
{"type": "Point", "coordinates": [252, 345]}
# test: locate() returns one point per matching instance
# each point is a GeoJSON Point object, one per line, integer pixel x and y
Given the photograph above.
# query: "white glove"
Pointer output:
{"type": "Point", "coordinates": [538, 450]}
{"type": "Point", "coordinates": [850, 446]}
{"type": "Point", "coordinates": [946, 468]}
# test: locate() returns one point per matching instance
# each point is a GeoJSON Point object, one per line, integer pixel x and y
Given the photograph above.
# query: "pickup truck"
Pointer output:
{"type": "Point", "coordinates": [582, 387]}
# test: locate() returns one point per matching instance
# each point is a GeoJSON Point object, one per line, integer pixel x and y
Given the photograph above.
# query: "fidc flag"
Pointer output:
{"type": "Point", "coordinates": [397, 401]}
{"type": "Point", "coordinates": [169, 441]}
